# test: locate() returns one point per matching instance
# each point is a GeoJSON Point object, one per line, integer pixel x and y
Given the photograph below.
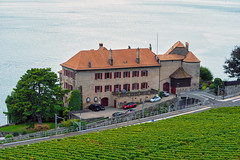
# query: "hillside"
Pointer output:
{"type": "Point", "coordinates": [213, 134]}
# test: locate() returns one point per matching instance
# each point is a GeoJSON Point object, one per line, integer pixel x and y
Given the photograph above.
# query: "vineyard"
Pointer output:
{"type": "Point", "coordinates": [213, 134]}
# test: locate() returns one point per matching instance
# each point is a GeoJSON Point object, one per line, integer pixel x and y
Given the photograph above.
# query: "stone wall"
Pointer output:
{"type": "Point", "coordinates": [232, 88]}
{"type": "Point", "coordinates": [194, 70]}
{"type": "Point", "coordinates": [86, 79]}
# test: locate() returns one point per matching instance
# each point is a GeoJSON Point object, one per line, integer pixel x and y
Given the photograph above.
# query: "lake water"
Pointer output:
{"type": "Point", "coordinates": [45, 33]}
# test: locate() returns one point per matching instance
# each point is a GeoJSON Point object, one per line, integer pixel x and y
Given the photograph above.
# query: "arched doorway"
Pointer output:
{"type": "Point", "coordinates": [104, 101]}
{"type": "Point", "coordinates": [166, 87]}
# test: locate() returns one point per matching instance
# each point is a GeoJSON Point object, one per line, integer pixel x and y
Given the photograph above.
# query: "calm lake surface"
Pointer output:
{"type": "Point", "coordinates": [45, 33]}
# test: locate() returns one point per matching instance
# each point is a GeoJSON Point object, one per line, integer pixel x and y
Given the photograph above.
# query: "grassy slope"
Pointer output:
{"type": "Point", "coordinates": [22, 127]}
{"type": "Point", "coordinates": [214, 134]}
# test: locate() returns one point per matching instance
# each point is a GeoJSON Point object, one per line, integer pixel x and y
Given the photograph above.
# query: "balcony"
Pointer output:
{"type": "Point", "coordinates": [135, 93]}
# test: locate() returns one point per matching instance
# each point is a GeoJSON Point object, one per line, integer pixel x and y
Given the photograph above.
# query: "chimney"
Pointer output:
{"type": "Point", "coordinates": [129, 47]}
{"type": "Point", "coordinates": [187, 45]}
{"type": "Point", "coordinates": [89, 64]}
{"type": "Point", "coordinates": [138, 56]}
{"type": "Point", "coordinates": [100, 45]}
{"type": "Point", "coordinates": [150, 46]}
{"type": "Point", "coordinates": [110, 60]}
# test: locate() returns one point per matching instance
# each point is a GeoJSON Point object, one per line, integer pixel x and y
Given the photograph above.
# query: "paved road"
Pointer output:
{"type": "Point", "coordinates": [235, 101]}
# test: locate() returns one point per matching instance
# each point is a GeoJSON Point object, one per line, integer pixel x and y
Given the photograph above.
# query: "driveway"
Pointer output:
{"type": "Point", "coordinates": [88, 114]}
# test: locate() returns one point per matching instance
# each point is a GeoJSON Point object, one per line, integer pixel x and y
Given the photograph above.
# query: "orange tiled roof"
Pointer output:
{"type": "Point", "coordinates": [167, 57]}
{"type": "Point", "coordinates": [180, 73]}
{"type": "Point", "coordinates": [190, 57]}
{"type": "Point", "coordinates": [177, 44]}
{"type": "Point", "coordinates": [60, 71]}
{"type": "Point", "coordinates": [122, 58]}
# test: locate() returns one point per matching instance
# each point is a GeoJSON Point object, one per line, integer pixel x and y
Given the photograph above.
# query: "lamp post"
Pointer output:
{"type": "Point", "coordinates": [143, 109]}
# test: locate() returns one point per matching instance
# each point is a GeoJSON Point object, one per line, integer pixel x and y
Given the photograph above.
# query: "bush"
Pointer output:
{"type": "Point", "coordinates": [160, 94]}
{"type": "Point", "coordinates": [212, 86]}
{"type": "Point", "coordinates": [67, 123]}
{"type": "Point", "coordinates": [9, 136]}
{"type": "Point", "coordinates": [41, 127]}
{"type": "Point", "coordinates": [204, 87]}
{"type": "Point", "coordinates": [15, 134]}
{"type": "Point", "coordinates": [24, 132]}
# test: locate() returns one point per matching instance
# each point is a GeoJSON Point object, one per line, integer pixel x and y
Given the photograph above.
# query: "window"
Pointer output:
{"type": "Point", "coordinates": [135, 86]}
{"type": "Point", "coordinates": [108, 88]}
{"type": "Point", "coordinates": [126, 87]}
{"type": "Point", "coordinates": [117, 74]}
{"type": "Point", "coordinates": [117, 88]}
{"type": "Point", "coordinates": [108, 75]}
{"type": "Point", "coordinates": [126, 74]}
{"type": "Point", "coordinates": [144, 85]}
{"type": "Point", "coordinates": [135, 74]}
{"type": "Point", "coordinates": [98, 89]}
{"type": "Point", "coordinates": [98, 76]}
{"type": "Point", "coordinates": [71, 87]}
{"type": "Point", "coordinates": [144, 73]}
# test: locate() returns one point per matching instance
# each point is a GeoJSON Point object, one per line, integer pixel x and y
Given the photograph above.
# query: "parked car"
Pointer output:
{"type": "Point", "coordinates": [96, 107]}
{"type": "Point", "coordinates": [129, 105]}
{"type": "Point", "coordinates": [129, 111]}
{"type": "Point", "coordinates": [155, 99]}
{"type": "Point", "coordinates": [116, 114]}
{"type": "Point", "coordinates": [165, 94]}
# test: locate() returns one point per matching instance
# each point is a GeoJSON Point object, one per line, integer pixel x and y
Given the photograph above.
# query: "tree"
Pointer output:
{"type": "Point", "coordinates": [232, 65]}
{"type": "Point", "coordinates": [205, 74]}
{"type": "Point", "coordinates": [75, 100]}
{"type": "Point", "coordinates": [37, 96]}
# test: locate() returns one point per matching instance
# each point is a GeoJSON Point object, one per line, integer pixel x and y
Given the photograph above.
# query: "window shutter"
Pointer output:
{"type": "Point", "coordinates": [95, 76]}
{"type": "Point", "coordinates": [119, 74]}
{"type": "Point", "coordinates": [133, 86]}
{"type": "Point", "coordinates": [110, 75]}
{"type": "Point", "coordinates": [105, 75]}
{"type": "Point", "coordinates": [101, 88]}
{"type": "Point", "coordinates": [120, 87]}
{"type": "Point", "coordinates": [129, 74]}
{"type": "Point", "coordinates": [129, 87]}
{"type": "Point", "coordinates": [101, 75]}
{"type": "Point", "coordinates": [105, 88]}
{"type": "Point", "coordinates": [110, 88]}
{"type": "Point", "coordinates": [95, 89]}
{"type": "Point", "coordinates": [146, 73]}
{"type": "Point", "coordinates": [68, 72]}
{"type": "Point", "coordinates": [114, 88]}
{"type": "Point", "coordinates": [137, 73]}
{"type": "Point", "coordinates": [132, 73]}
{"type": "Point", "coordinates": [141, 73]}
{"type": "Point", "coordinates": [124, 74]}
{"type": "Point", "coordinates": [146, 85]}
{"type": "Point", "coordinates": [141, 85]}
{"type": "Point", "coordinates": [115, 73]}
{"type": "Point", "coordinates": [137, 85]}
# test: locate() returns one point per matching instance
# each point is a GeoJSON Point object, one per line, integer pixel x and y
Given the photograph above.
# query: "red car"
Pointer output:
{"type": "Point", "coordinates": [129, 105]}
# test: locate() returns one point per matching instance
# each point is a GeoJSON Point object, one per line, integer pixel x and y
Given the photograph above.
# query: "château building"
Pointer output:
{"type": "Point", "coordinates": [114, 77]}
